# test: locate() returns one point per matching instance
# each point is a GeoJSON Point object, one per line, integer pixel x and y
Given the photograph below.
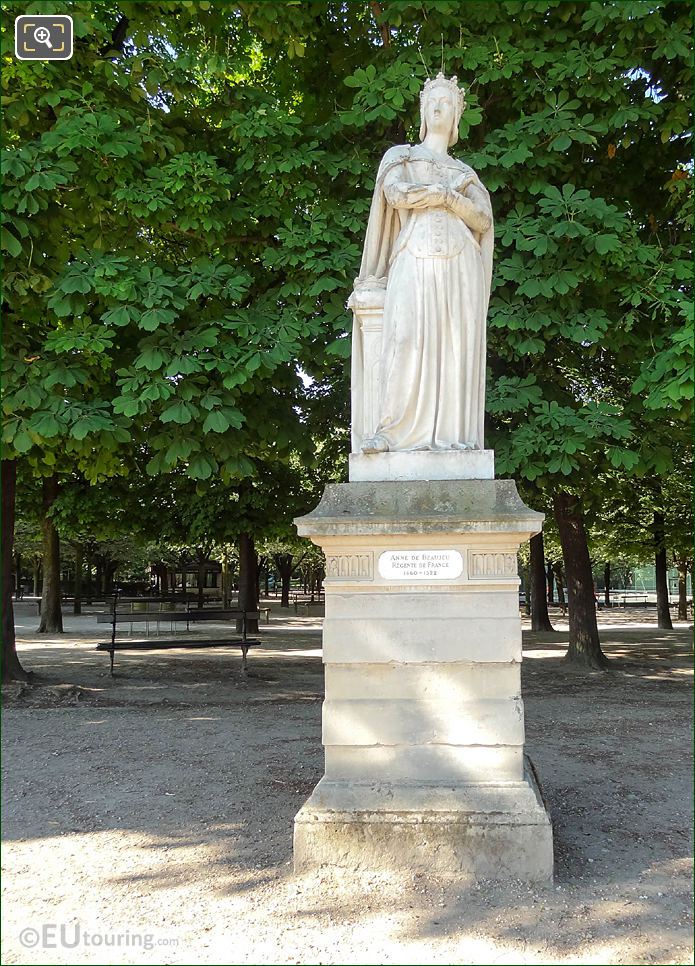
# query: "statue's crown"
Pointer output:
{"type": "Point", "coordinates": [441, 81]}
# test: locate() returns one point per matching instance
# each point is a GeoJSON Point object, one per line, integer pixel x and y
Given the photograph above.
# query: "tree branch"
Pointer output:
{"type": "Point", "coordinates": [294, 569]}
{"type": "Point", "coordinates": [117, 37]}
{"type": "Point", "coordinates": [383, 27]}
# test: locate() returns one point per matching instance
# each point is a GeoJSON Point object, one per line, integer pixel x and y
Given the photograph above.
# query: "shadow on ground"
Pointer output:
{"type": "Point", "coordinates": [170, 791]}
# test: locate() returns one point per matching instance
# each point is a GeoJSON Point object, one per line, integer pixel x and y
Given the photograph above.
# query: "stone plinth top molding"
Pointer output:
{"type": "Point", "coordinates": [454, 506]}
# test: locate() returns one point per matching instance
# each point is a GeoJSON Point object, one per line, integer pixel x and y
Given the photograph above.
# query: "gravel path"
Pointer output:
{"type": "Point", "coordinates": [151, 815]}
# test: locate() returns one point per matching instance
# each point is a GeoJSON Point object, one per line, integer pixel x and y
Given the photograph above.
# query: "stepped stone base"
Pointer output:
{"type": "Point", "coordinates": [481, 831]}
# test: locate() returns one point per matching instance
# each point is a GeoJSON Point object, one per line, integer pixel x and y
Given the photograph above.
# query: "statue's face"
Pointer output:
{"type": "Point", "coordinates": [440, 110]}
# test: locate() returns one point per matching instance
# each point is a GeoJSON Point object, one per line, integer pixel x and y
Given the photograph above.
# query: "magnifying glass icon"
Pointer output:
{"type": "Point", "coordinates": [42, 35]}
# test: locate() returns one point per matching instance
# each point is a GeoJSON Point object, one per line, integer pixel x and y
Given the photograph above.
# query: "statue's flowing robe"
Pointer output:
{"type": "Point", "coordinates": [438, 273]}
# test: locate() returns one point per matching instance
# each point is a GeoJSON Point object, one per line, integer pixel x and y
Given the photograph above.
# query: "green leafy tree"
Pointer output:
{"type": "Point", "coordinates": [135, 322]}
{"type": "Point", "coordinates": [201, 179]}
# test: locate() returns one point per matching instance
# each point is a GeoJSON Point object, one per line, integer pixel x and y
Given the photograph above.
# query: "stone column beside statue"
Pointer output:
{"type": "Point", "coordinates": [423, 721]}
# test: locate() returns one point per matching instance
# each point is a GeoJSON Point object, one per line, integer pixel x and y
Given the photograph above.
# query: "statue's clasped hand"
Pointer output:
{"type": "Point", "coordinates": [457, 202]}
{"type": "Point", "coordinates": [464, 184]}
{"type": "Point", "coordinates": [438, 193]}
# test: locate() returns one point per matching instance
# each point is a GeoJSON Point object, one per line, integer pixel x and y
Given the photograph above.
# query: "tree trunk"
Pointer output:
{"type": "Point", "coordinates": [560, 584]}
{"type": "Point", "coordinates": [527, 590]}
{"type": "Point", "coordinates": [584, 645]}
{"type": "Point", "coordinates": [110, 568]}
{"type": "Point", "coordinates": [248, 579]}
{"type": "Point", "coordinates": [89, 588]}
{"type": "Point", "coordinates": [663, 613]}
{"type": "Point", "coordinates": [607, 583]}
{"type": "Point", "coordinates": [51, 613]}
{"type": "Point", "coordinates": [283, 561]}
{"type": "Point", "coordinates": [682, 591]}
{"type": "Point", "coordinates": [201, 584]}
{"type": "Point", "coordinates": [225, 583]}
{"type": "Point", "coordinates": [77, 604]}
{"type": "Point", "coordinates": [540, 621]}
{"type": "Point", "coordinates": [163, 581]}
{"type": "Point", "coordinates": [11, 669]}
{"type": "Point", "coordinates": [550, 578]}
{"type": "Point", "coordinates": [37, 576]}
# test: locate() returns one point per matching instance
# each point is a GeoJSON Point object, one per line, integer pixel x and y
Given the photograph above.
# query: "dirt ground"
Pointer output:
{"type": "Point", "coordinates": [149, 817]}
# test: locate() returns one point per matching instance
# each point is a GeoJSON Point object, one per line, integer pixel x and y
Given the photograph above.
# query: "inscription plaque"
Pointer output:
{"type": "Point", "coordinates": [420, 564]}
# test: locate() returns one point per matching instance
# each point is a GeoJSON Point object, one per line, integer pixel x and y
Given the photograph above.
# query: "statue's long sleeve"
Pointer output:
{"type": "Point", "coordinates": [400, 193]}
{"type": "Point", "coordinates": [404, 194]}
{"type": "Point", "coordinates": [476, 214]}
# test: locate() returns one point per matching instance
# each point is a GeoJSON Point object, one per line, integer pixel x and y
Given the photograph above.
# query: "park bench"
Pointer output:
{"type": "Point", "coordinates": [163, 610]}
{"type": "Point", "coordinates": [263, 611]}
{"type": "Point", "coordinates": [64, 599]}
{"type": "Point", "coordinates": [306, 604]}
{"type": "Point", "coordinates": [634, 600]}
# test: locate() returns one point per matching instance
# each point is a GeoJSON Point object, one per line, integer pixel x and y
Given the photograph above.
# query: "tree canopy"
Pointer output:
{"type": "Point", "coordinates": [186, 198]}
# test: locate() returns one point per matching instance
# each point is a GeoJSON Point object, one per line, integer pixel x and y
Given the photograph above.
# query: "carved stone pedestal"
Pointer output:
{"type": "Point", "coordinates": [476, 464]}
{"type": "Point", "coordinates": [423, 722]}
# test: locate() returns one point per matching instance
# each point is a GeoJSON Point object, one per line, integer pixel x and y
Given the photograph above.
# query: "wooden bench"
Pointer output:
{"type": "Point", "coordinates": [158, 609]}
{"type": "Point", "coordinates": [125, 615]}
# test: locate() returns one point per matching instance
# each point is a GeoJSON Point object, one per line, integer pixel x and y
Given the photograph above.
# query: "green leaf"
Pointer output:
{"type": "Point", "coordinates": [340, 347]}
{"type": "Point", "coordinates": [180, 449]}
{"type": "Point", "coordinates": [76, 283]}
{"type": "Point", "coordinates": [22, 442]}
{"type": "Point", "coordinates": [127, 406]}
{"type": "Point", "coordinates": [151, 359]}
{"type": "Point", "coordinates": [607, 243]}
{"type": "Point", "coordinates": [45, 424]}
{"type": "Point", "coordinates": [561, 142]}
{"type": "Point", "coordinates": [118, 316]}
{"type": "Point", "coordinates": [215, 422]}
{"type": "Point", "coordinates": [9, 243]}
{"type": "Point", "coordinates": [201, 468]}
{"type": "Point", "coordinates": [179, 412]}
{"type": "Point", "coordinates": [153, 318]}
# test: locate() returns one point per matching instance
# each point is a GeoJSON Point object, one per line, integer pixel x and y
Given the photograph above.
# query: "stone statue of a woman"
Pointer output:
{"type": "Point", "coordinates": [429, 244]}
